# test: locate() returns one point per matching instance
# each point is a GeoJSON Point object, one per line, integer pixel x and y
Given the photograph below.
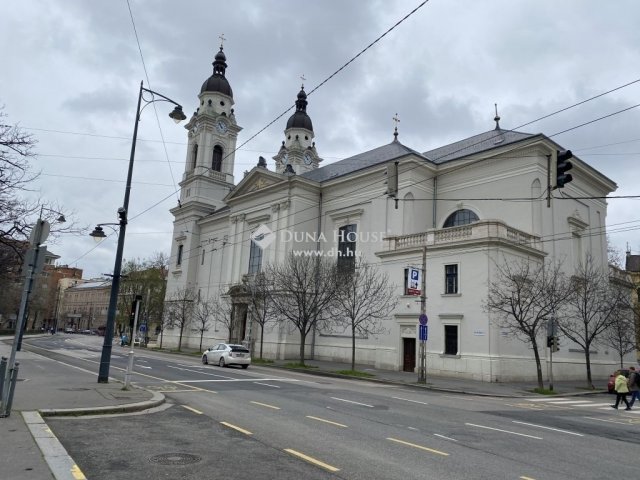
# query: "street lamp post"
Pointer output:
{"type": "Point", "coordinates": [177, 115]}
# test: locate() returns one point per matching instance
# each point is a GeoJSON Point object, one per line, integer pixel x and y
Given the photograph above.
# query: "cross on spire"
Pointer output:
{"type": "Point", "coordinates": [395, 131]}
{"type": "Point", "coordinates": [302, 77]}
{"type": "Point", "coordinates": [222, 39]}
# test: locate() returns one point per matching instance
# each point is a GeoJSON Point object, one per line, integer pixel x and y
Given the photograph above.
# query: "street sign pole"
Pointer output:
{"type": "Point", "coordinates": [39, 234]}
{"type": "Point", "coordinates": [422, 369]}
{"type": "Point", "coordinates": [127, 376]}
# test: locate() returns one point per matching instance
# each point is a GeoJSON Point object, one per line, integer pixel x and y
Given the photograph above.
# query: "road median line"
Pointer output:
{"type": "Point", "coordinates": [438, 452]}
{"type": "Point", "coordinates": [312, 460]}
{"type": "Point", "coordinates": [235, 427]}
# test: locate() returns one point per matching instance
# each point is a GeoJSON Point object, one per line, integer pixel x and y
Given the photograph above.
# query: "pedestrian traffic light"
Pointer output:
{"type": "Point", "coordinates": [563, 165]}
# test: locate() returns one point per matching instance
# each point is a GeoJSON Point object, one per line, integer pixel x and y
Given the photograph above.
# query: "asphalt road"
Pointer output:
{"type": "Point", "coordinates": [270, 423]}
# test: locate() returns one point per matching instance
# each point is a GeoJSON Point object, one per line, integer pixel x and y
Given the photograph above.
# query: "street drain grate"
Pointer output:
{"type": "Point", "coordinates": [175, 459]}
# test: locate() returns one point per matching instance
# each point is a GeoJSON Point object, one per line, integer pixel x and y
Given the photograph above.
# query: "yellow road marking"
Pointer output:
{"type": "Point", "coordinates": [418, 446]}
{"type": "Point", "coordinates": [265, 405]}
{"type": "Point", "coordinates": [327, 421]}
{"type": "Point", "coordinates": [309, 459]}
{"type": "Point", "coordinates": [192, 409]}
{"type": "Point", "coordinates": [242, 430]}
{"type": "Point", "coordinates": [527, 478]}
{"type": "Point", "coordinates": [77, 473]}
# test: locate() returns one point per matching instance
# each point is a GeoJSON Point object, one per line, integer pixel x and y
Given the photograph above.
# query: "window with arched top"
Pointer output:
{"type": "Point", "coordinates": [194, 156]}
{"type": "Point", "coordinates": [460, 217]}
{"type": "Point", "coordinates": [216, 163]}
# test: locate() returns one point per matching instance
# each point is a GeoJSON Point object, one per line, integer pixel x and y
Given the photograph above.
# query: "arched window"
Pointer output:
{"type": "Point", "coordinates": [460, 217]}
{"type": "Point", "coordinates": [216, 164]}
{"type": "Point", "coordinates": [194, 156]}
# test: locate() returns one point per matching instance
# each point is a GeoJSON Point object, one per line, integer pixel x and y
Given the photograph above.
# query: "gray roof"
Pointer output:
{"type": "Point", "coordinates": [362, 160]}
{"type": "Point", "coordinates": [477, 143]}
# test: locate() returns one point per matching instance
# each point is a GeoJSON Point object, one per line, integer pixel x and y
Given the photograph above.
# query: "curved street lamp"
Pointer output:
{"type": "Point", "coordinates": [177, 115]}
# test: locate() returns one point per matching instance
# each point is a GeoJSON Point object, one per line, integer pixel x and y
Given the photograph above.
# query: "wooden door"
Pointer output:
{"type": "Point", "coordinates": [409, 354]}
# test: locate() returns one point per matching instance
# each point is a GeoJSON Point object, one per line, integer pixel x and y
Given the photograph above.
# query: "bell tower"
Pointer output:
{"type": "Point", "coordinates": [208, 172]}
{"type": "Point", "coordinates": [212, 137]}
{"type": "Point", "coordinates": [298, 151]}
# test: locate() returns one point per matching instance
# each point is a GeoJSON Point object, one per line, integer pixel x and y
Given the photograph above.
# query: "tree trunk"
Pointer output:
{"type": "Point", "coordinates": [303, 341]}
{"type": "Point", "coordinates": [180, 339]}
{"type": "Point", "coordinates": [587, 358]}
{"type": "Point", "coordinates": [536, 354]}
{"type": "Point", "coordinates": [353, 348]}
{"type": "Point", "coordinates": [261, 339]}
{"type": "Point", "coordinates": [201, 335]}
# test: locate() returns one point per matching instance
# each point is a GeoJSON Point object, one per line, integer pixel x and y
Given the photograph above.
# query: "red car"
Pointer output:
{"type": "Point", "coordinates": [612, 379]}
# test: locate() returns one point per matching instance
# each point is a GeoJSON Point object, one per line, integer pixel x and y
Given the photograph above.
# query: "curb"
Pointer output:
{"type": "Point", "coordinates": [156, 400]}
{"type": "Point", "coordinates": [326, 373]}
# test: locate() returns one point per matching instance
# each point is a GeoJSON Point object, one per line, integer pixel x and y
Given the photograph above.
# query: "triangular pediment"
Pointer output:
{"type": "Point", "coordinates": [258, 179]}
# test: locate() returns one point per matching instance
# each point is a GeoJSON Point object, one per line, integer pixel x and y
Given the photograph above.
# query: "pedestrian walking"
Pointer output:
{"type": "Point", "coordinates": [634, 385]}
{"type": "Point", "coordinates": [621, 390]}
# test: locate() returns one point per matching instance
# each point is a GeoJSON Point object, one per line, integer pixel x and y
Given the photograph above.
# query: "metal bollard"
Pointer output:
{"type": "Point", "coordinates": [3, 369]}
{"type": "Point", "coordinates": [12, 387]}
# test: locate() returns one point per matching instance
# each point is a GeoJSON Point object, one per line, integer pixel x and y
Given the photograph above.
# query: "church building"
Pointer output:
{"type": "Point", "coordinates": [471, 204]}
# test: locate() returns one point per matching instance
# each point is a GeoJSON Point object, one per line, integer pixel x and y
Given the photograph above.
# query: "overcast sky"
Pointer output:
{"type": "Point", "coordinates": [71, 71]}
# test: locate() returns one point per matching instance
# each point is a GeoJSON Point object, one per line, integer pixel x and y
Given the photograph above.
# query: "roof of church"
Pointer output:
{"type": "Point", "coordinates": [362, 160]}
{"type": "Point", "coordinates": [477, 143]}
{"type": "Point", "coordinates": [300, 118]}
{"type": "Point", "coordinates": [218, 82]}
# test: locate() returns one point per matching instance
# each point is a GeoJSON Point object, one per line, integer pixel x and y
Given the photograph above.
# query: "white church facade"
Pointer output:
{"type": "Point", "coordinates": [468, 203]}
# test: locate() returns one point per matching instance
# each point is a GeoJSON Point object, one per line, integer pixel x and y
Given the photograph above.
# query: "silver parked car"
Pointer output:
{"type": "Point", "coordinates": [226, 354]}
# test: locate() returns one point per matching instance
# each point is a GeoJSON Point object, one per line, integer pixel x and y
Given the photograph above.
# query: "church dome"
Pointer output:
{"type": "Point", "coordinates": [218, 82]}
{"type": "Point", "coordinates": [300, 119]}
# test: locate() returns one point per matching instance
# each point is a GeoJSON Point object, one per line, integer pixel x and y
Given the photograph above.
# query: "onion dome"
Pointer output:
{"type": "Point", "coordinates": [300, 119]}
{"type": "Point", "coordinates": [218, 82]}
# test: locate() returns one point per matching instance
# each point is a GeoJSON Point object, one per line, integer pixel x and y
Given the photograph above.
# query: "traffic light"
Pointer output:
{"type": "Point", "coordinates": [553, 343]}
{"type": "Point", "coordinates": [563, 165]}
{"type": "Point", "coordinates": [132, 315]}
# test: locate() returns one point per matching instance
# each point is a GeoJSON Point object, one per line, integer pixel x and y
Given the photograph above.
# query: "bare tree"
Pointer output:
{"type": "Point", "coordinates": [620, 336]}
{"type": "Point", "coordinates": [222, 311]}
{"type": "Point", "coordinates": [365, 298]}
{"type": "Point", "coordinates": [524, 296]}
{"type": "Point", "coordinates": [202, 315]}
{"type": "Point", "coordinates": [592, 307]}
{"type": "Point", "coordinates": [18, 215]}
{"type": "Point", "coordinates": [302, 290]}
{"type": "Point", "coordinates": [179, 309]}
{"type": "Point", "coordinates": [261, 310]}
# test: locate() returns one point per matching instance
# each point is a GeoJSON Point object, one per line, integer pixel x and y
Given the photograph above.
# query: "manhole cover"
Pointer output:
{"type": "Point", "coordinates": [175, 459]}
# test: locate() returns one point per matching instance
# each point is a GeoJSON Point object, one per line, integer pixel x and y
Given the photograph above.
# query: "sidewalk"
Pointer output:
{"type": "Point", "coordinates": [33, 451]}
{"type": "Point", "coordinates": [36, 454]}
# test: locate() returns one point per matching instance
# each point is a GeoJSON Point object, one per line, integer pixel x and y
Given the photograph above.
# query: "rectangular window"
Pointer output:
{"type": "Point", "coordinates": [255, 258]}
{"type": "Point", "coordinates": [451, 339]}
{"type": "Point", "coordinates": [179, 257]}
{"type": "Point", "coordinates": [347, 236]}
{"type": "Point", "coordinates": [450, 279]}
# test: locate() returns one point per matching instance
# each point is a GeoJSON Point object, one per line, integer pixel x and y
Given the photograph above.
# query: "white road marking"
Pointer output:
{"type": "Point", "coordinates": [351, 401]}
{"type": "Point", "coordinates": [412, 401]}
{"type": "Point", "coordinates": [267, 385]}
{"type": "Point", "coordinates": [544, 399]}
{"type": "Point", "coordinates": [446, 438]}
{"type": "Point", "coordinates": [197, 371]}
{"type": "Point", "coordinates": [594, 405]}
{"type": "Point", "coordinates": [229, 379]}
{"type": "Point", "coordinates": [143, 366]}
{"type": "Point", "coordinates": [569, 402]}
{"type": "Point", "coordinates": [548, 428]}
{"type": "Point", "coordinates": [503, 431]}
